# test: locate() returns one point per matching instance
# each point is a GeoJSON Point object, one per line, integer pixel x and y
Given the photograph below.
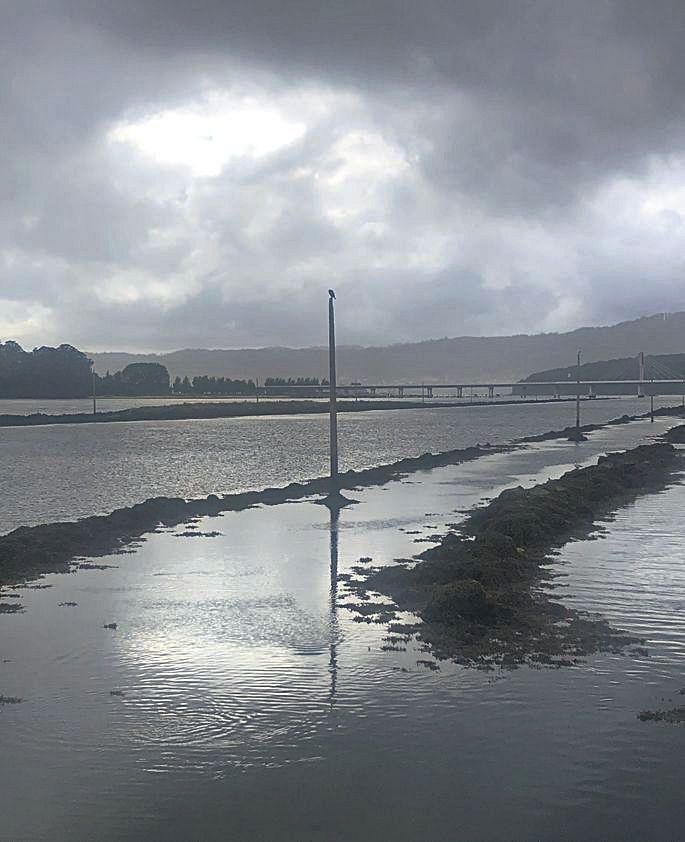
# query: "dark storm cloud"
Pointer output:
{"type": "Point", "coordinates": [462, 167]}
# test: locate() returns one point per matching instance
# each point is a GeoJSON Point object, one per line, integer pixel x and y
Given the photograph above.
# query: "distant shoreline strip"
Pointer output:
{"type": "Point", "coordinates": [246, 409]}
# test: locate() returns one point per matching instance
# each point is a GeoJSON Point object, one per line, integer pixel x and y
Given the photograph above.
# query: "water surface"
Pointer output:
{"type": "Point", "coordinates": [255, 707]}
{"type": "Point", "coordinates": [65, 472]}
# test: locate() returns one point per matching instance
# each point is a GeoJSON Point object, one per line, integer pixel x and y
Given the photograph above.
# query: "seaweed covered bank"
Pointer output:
{"type": "Point", "coordinates": [479, 591]}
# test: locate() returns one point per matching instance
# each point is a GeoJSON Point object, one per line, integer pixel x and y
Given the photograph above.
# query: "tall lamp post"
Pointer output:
{"type": "Point", "coordinates": [335, 499]}
{"type": "Point", "coordinates": [578, 396]}
{"type": "Point", "coordinates": [332, 390]}
{"type": "Point", "coordinates": [578, 392]}
{"type": "Point", "coordinates": [92, 387]}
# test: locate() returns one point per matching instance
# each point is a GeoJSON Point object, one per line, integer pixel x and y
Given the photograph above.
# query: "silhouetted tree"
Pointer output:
{"type": "Point", "coordinates": [62, 372]}
{"type": "Point", "coordinates": [145, 379]}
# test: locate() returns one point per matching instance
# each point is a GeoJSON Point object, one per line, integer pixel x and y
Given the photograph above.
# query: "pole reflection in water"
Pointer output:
{"type": "Point", "coordinates": [333, 660]}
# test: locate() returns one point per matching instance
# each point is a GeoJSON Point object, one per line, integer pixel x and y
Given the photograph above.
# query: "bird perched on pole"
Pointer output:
{"type": "Point", "coordinates": [331, 293]}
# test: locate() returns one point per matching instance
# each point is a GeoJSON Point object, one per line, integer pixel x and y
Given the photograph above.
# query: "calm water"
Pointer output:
{"type": "Point", "coordinates": [65, 472]}
{"type": "Point", "coordinates": [254, 707]}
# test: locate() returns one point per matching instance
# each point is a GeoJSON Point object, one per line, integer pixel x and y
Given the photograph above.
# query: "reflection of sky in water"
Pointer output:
{"type": "Point", "coordinates": [252, 708]}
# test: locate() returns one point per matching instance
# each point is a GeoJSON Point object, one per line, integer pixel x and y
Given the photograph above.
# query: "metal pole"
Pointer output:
{"type": "Point", "coordinates": [651, 405]}
{"type": "Point", "coordinates": [92, 386]}
{"type": "Point", "coordinates": [578, 394]}
{"type": "Point", "coordinates": [333, 410]}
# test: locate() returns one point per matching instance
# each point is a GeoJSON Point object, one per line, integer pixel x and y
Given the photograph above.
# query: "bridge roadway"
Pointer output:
{"type": "Point", "coordinates": [586, 386]}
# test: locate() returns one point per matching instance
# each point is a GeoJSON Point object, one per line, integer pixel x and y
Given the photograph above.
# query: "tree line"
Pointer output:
{"type": "Point", "coordinates": [62, 372]}
{"type": "Point", "coordinates": [203, 385]}
{"type": "Point", "coordinates": [135, 379]}
{"type": "Point", "coordinates": [66, 372]}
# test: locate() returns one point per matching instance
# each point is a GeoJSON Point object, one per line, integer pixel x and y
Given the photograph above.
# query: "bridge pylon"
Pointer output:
{"type": "Point", "coordinates": [641, 375]}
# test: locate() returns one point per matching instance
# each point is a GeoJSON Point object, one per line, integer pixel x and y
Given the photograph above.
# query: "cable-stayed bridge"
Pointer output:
{"type": "Point", "coordinates": [637, 376]}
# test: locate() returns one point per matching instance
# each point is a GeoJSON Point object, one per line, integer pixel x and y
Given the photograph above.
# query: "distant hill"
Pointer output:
{"type": "Point", "coordinates": [657, 367]}
{"type": "Point", "coordinates": [440, 360]}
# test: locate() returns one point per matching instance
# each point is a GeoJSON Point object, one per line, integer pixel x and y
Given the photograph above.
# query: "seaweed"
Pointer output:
{"type": "Point", "coordinates": [480, 593]}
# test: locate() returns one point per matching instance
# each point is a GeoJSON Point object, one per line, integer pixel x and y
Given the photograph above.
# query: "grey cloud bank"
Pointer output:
{"type": "Point", "coordinates": [178, 175]}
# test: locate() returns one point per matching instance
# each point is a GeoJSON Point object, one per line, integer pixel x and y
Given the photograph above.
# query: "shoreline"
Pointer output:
{"type": "Point", "coordinates": [480, 594]}
{"type": "Point", "coordinates": [29, 552]}
{"type": "Point", "coordinates": [247, 409]}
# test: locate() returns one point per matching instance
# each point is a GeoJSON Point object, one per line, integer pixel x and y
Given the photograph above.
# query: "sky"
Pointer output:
{"type": "Point", "coordinates": [179, 174]}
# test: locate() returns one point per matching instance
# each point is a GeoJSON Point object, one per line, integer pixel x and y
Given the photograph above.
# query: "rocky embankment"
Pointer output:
{"type": "Point", "coordinates": [676, 435]}
{"type": "Point", "coordinates": [479, 593]}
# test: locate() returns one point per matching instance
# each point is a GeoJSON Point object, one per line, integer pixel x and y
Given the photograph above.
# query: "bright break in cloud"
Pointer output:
{"type": "Point", "coordinates": [200, 174]}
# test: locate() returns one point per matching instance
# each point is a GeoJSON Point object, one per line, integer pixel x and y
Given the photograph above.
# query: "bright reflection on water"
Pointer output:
{"type": "Point", "coordinates": [254, 707]}
{"type": "Point", "coordinates": [69, 471]}
{"type": "Point", "coordinates": [644, 544]}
